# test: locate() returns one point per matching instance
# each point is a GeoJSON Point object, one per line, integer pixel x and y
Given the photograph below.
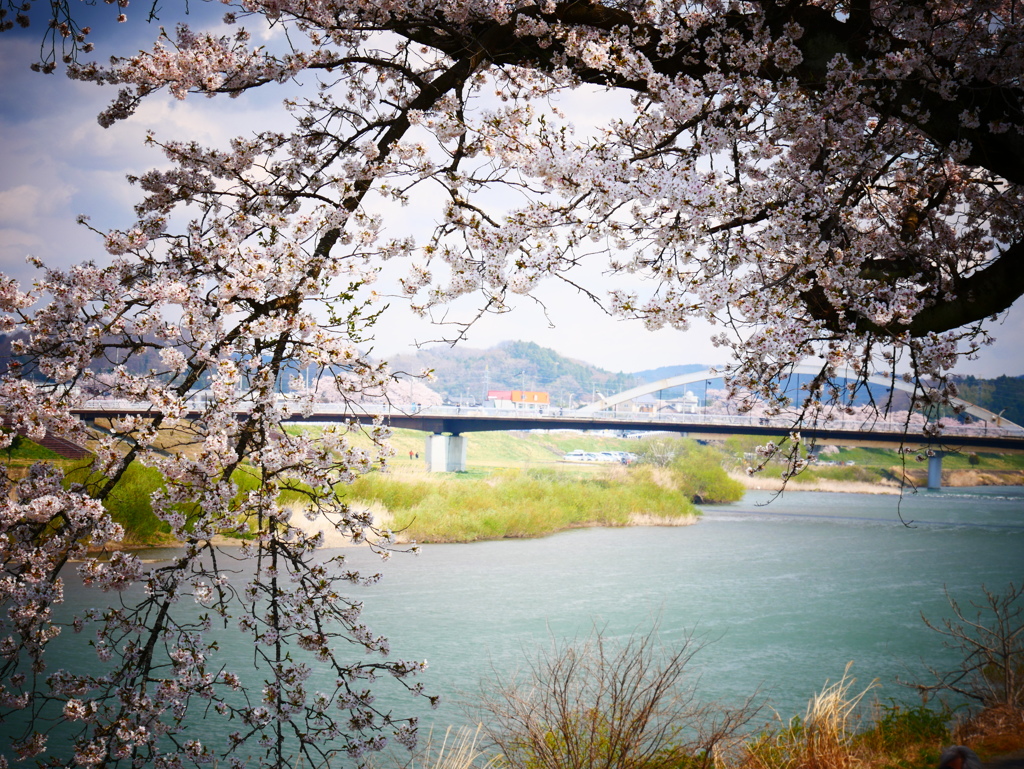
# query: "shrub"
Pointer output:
{"type": "Point", "coordinates": [597, 705]}
{"type": "Point", "coordinates": [989, 641]}
{"type": "Point", "coordinates": [905, 737]}
{"type": "Point", "coordinates": [696, 469]}
{"type": "Point", "coordinates": [698, 472]}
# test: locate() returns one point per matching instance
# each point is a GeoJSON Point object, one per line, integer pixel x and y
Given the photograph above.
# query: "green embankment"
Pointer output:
{"type": "Point", "coordinates": [522, 503]}
{"type": "Point", "coordinates": [878, 466]}
{"type": "Point", "coordinates": [490, 451]}
{"type": "Point", "coordinates": [518, 486]}
{"type": "Point", "coordinates": [23, 450]}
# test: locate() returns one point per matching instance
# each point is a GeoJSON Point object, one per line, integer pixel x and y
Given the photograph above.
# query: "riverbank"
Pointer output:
{"type": "Point", "coordinates": [519, 504]}
{"type": "Point", "coordinates": [764, 482]}
{"type": "Point", "coordinates": [886, 482]}
{"type": "Point", "coordinates": [522, 488]}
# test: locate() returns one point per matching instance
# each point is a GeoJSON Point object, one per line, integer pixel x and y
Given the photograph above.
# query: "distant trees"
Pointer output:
{"type": "Point", "coordinates": [1003, 395]}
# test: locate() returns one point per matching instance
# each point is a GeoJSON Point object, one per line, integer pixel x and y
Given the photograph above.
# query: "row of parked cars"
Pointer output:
{"type": "Point", "coordinates": [579, 455]}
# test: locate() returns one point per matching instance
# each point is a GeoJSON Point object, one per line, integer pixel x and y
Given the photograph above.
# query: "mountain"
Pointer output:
{"type": "Point", "coordinates": [464, 375]}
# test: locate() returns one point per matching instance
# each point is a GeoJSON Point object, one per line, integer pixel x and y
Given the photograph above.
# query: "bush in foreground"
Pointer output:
{"type": "Point", "coordinates": [597, 704]}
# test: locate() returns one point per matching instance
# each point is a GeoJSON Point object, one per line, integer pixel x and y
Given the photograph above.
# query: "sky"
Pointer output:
{"type": "Point", "coordinates": [56, 162]}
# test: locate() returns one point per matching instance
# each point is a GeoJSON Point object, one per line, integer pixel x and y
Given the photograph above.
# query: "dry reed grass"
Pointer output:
{"type": "Point", "coordinates": [662, 476]}
{"type": "Point", "coordinates": [824, 739]}
{"type": "Point", "coordinates": [456, 751]}
{"type": "Point", "coordinates": [993, 731]}
{"type": "Point", "coordinates": [332, 537]}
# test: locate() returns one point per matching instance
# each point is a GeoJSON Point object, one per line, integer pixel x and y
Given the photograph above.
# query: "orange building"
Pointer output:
{"type": "Point", "coordinates": [518, 399]}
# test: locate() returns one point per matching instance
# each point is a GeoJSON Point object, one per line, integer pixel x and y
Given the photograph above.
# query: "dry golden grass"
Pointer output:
{"type": "Point", "coordinates": [642, 519]}
{"type": "Point", "coordinates": [455, 751]}
{"type": "Point", "coordinates": [332, 537]}
{"type": "Point", "coordinates": [824, 739]}
{"type": "Point", "coordinates": [662, 476]}
{"type": "Point", "coordinates": [957, 478]}
{"type": "Point", "coordinates": [993, 732]}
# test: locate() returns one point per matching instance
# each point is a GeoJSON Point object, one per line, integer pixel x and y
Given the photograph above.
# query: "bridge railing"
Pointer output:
{"type": "Point", "coordinates": [570, 418]}
{"type": "Point", "coordinates": [949, 427]}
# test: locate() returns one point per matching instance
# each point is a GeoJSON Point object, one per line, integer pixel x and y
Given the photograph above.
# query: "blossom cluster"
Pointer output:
{"type": "Point", "coordinates": [821, 182]}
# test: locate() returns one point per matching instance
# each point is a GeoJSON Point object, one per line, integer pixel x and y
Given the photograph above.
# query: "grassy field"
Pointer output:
{"type": "Point", "coordinates": [489, 451]}
{"type": "Point", "coordinates": [22, 451]}
{"type": "Point", "coordinates": [856, 467]}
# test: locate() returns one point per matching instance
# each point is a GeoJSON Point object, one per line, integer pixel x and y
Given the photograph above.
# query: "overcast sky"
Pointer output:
{"type": "Point", "coordinates": [57, 162]}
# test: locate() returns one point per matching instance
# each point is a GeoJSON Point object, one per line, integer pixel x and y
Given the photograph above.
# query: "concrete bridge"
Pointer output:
{"type": "Point", "coordinates": [447, 427]}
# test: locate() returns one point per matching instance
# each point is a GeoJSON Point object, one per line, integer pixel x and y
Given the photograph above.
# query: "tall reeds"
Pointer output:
{"type": "Point", "coordinates": [518, 503]}
{"type": "Point", "coordinates": [456, 750]}
{"type": "Point", "coordinates": [824, 739]}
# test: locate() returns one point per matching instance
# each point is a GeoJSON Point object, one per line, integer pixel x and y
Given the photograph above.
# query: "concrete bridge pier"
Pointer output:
{"type": "Point", "coordinates": [935, 471]}
{"type": "Point", "coordinates": [446, 453]}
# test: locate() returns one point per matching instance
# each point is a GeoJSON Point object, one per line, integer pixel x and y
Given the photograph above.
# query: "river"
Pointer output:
{"type": "Point", "coordinates": [786, 593]}
{"type": "Point", "coordinates": [789, 592]}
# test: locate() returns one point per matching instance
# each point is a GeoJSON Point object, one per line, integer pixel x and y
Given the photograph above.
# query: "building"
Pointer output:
{"type": "Point", "coordinates": [517, 399]}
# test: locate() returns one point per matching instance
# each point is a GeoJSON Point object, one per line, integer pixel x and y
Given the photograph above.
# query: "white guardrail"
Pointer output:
{"type": "Point", "coordinates": [568, 417]}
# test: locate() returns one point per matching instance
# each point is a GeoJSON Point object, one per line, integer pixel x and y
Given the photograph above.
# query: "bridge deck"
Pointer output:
{"type": "Point", "coordinates": [455, 420]}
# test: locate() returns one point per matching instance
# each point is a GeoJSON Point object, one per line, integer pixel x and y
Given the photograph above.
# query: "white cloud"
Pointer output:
{"type": "Point", "coordinates": [27, 203]}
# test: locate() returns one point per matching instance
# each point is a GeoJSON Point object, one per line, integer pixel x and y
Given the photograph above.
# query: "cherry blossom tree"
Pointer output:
{"type": "Point", "coordinates": [828, 180]}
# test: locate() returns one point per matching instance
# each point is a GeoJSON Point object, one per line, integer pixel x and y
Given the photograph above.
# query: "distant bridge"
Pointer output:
{"type": "Point", "coordinates": [803, 369]}
{"type": "Point", "coordinates": [446, 425]}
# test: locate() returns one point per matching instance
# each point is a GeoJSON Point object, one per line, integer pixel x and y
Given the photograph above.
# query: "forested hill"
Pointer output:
{"type": "Point", "coordinates": [1004, 394]}
{"type": "Point", "coordinates": [464, 375]}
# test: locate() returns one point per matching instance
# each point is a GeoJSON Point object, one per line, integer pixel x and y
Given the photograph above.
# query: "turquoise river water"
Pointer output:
{"type": "Point", "coordinates": [787, 593]}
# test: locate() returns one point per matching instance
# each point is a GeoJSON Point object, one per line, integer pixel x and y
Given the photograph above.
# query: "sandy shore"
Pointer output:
{"type": "Point", "coordinates": [950, 479]}
{"type": "Point", "coordinates": [764, 482]}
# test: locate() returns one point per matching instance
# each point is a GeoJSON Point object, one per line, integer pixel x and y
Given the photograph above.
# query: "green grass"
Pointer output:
{"type": "Point", "coordinates": [129, 502]}
{"type": "Point", "coordinates": [517, 485]}
{"type": "Point", "coordinates": [855, 474]}
{"type": "Point", "coordinates": [23, 449]}
{"type": "Point", "coordinates": [496, 450]}
{"type": "Point", "coordinates": [518, 503]}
